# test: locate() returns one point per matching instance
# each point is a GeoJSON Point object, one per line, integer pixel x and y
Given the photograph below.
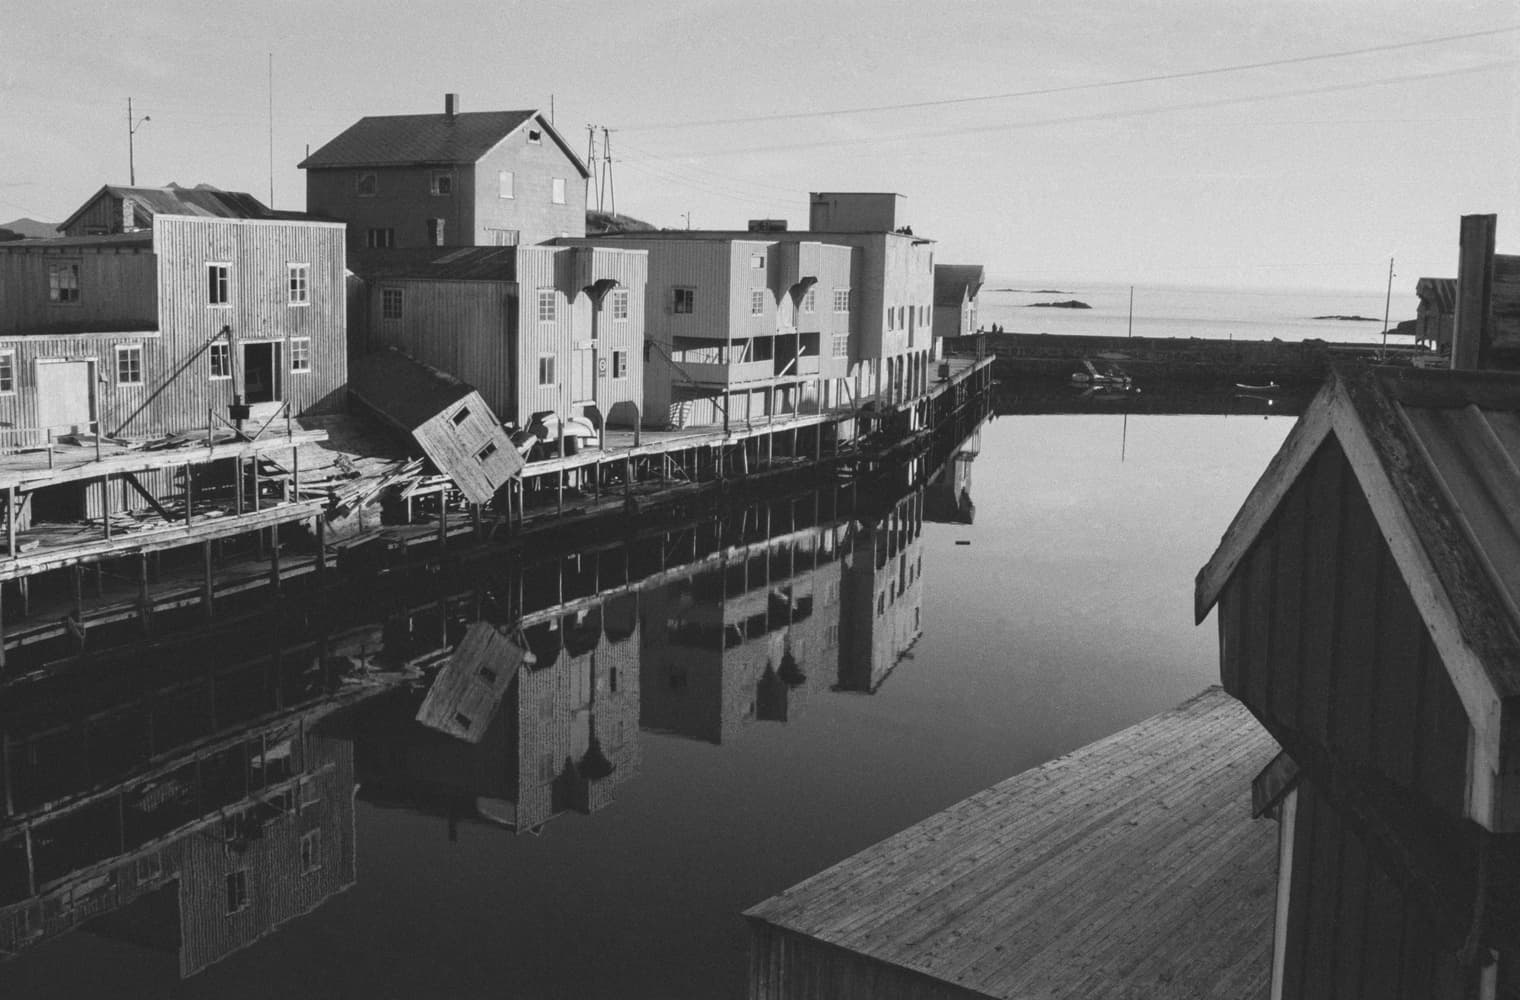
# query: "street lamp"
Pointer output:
{"type": "Point", "coordinates": [132, 127]}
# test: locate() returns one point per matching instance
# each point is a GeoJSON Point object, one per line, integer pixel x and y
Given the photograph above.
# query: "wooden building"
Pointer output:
{"type": "Point", "coordinates": [119, 209]}
{"type": "Point", "coordinates": [1367, 594]}
{"type": "Point", "coordinates": [1437, 308]}
{"type": "Point", "coordinates": [536, 329]}
{"type": "Point", "coordinates": [956, 287]}
{"type": "Point", "coordinates": [467, 691]}
{"type": "Point", "coordinates": [488, 178]}
{"type": "Point", "coordinates": [447, 419]}
{"type": "Point", "coordinates": [882, 595]}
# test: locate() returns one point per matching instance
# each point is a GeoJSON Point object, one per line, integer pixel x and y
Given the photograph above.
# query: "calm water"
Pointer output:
{"type": "Point", "coordinates": [1066, 616]}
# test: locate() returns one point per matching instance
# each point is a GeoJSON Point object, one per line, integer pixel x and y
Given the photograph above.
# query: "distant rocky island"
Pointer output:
{"type": "Point", "coordinates": [1034, 291]}
{"type": "Point", "coordinates": [1068, 304]}
{"type": "Point", "coordinates": [1352, 319]}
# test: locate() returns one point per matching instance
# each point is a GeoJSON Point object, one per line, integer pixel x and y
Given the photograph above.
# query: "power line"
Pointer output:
{"type": "Point", "coordinates": [1075, 87]}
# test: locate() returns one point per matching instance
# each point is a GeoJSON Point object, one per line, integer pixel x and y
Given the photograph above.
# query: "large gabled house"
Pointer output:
{"type": "Point", "coordinates": [484, 178]}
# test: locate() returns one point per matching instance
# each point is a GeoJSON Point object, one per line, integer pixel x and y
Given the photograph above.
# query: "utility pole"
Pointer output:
{"type": "Point", "coordinates": [1131, 311]}
{"type": "Point", "coordinates": [607, 169]}
{"type": "Point", "coordinates": [591, 162]}
{"type": "Point", "coordinates": [271, 130]}
{"type": "Point", "coordinates": [132, 127]}
{"type": "Point", "coordinates": [1387, 301]}
{"type": "Point", "coordinates": [687, 217]}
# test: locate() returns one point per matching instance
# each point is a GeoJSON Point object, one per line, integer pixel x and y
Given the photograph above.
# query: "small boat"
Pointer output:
{"type": "Point", "coordinates": [1109, 374]}
{"type": "Point", "coordinates": [1269, 387]}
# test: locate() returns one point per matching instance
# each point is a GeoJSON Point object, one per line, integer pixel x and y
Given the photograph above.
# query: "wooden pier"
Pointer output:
{"type": "Point", "coordinates": [1130, 868]}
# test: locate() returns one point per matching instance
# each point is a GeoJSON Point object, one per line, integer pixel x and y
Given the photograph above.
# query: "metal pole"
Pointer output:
{"type": "Point", "coordinates": [1387, 301]}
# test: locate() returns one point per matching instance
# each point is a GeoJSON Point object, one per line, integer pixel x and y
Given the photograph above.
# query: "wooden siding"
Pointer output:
{"type": "Point", "coordinates": [117, 291]}
{"type": "Point", "coordinates": [1321, 638]}
{"type": "Point", "coordinates": [459, 327]}
{"type": "Point", "coordinates": [456, 447]}
{"type": "Point", "coordinates": [531, 210]}
{"type": "Point", "coordinates": [102, 214]}
{"type": "Point", "coordinates": [1352, 931]}
{"type": "Point", "coordinates": [466, 693]}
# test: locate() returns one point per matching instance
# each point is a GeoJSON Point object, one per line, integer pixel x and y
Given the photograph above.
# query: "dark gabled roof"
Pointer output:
{"type": "Point", "coordinates": [427, 140]}
{"type": "Point", "coordinates": [202, 200]}
{"type": "Point", "coordinates": [952, 282]}
{"type": "Point", "coordinates": [436, 263]}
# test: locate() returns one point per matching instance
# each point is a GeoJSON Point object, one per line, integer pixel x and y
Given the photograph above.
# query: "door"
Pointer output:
{"type": "Point", "coordinates": [583, 375]}
{"type": "Point", "coordinates": [65, 395]}
{"type": "Point", "coordinates": [261, 372]}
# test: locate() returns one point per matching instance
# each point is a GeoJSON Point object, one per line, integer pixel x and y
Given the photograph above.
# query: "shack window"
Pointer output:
{"type": "Point", "coordinates": [379, 238]}
{"type": "Point", "coordinates": [311, 850]}
{"type": "Point", "coordinates": [546, 369]}
{"type": "Point", "coordinates": [63, 283]}
{"type": "Point", "coordinates": [390, 303]}
{"type": "Point", "coordinates": [237, 891]}
{"type": "Point", "coordinates": [7, 373]}
{"type": "Point", "coordinates": [619, 364]}
{"type": "Point", "coordinates": [535, 136]}
{"type": "Point", "coordinates": [461, 415]}
{"type": "Point", "coordinates": [485, 453]}
{"type": "Point", "coordinates": [756, 302]}
{"type": "Point", "coordinates": [300, 354]}
{"type": "Point", "coordinates": [546, 305]}
{"type": "Point", "coordinates": [443, 184]}
{"type": "Point", "coordinates": [129, 365]}
{"type": "Point", "coordinates": [505, 184]}
{"type": "Point", "coordinates": [365, 185]}
{"type": "Point", "coordinates": [685, 299]}
{"type": "Point", "coordinates": [218, 284]}
{"type": "Point", "coordinates": [620, 303]}
{"type": "Point", "coordinates": [557, 191]}
{"type": "Point", "coordinates": [221, 360]}
{"type": "Point", "coordinates": [300, 284]}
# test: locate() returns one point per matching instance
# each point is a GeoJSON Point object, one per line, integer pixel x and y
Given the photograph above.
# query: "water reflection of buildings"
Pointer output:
{"type": "Point", "coordinates": [947, 500]}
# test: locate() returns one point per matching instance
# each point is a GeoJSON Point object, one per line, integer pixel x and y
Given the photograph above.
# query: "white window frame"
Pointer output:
{"type": "Point", "coordinates": [300, 355]}
{"type": "Point", "coordinates": [550, 371]}
{"type": "Point", "coordinates": [809, 301]}
{"type": "Point", "coordinates": [224, 281]}
{"type": "Point", "coordinates": [548, 305]}
{"type": "Point", "coordinates": [506, 184]}
{"type": "Point", "coordinates": [620, 303]}
{"type": "Point", "coordinates": [441, 184]}
{"type": "Point", "coordinates": [392, 303]}
{"type": "Point", "coordinates": [224, 349]}
{"type": "Point", "coordinates": [299, 283]}
{"type": "Point", "coordinates": [841, 300]}
{"type": "Point", "coordinates": [757, 301]}
{"type": "Point", "coordinates": [7, 373]}
{"type": "Point", "coordinates": [619, 364]}
{"type": "Point", "coordinates": [757, 261]}
{"type": "Point", "coordinates": [126, 350]}
{"type": "Point", "coordinates": [61, 292]}
{"type": "Point", "coordinates": [557, 190]}
{"type": "Point", "coordinates": [840, 346]}
{"type": "Point", "coordinates": [374, 184]}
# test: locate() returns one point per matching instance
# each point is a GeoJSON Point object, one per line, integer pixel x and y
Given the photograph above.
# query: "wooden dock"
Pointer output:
{"type": "Point", "coordinates": [1129, 868]}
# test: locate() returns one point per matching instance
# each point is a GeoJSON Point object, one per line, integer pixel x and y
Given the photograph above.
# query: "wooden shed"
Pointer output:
{"type": "Point", "coordinates": [447, 418]}
{"type": "Point", "coordinates": [466, 694]}
{"type": "Point", "coordinates": [1369, 616]}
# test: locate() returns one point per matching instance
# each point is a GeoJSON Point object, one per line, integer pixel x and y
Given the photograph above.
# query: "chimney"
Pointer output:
{"type": "Point", "coordinates": [450, 106]}
{"type": "Point", "coordinates": [1472, 328]}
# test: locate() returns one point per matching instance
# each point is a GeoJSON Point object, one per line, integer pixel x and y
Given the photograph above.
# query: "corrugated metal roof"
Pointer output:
{"type": "Point", "coordinates": [403, 140]}
{"type": "Point", "coordinates": [403, 388]}
{"type": "Point", "coordinates": [436, 263]}
{"type": "Point", "coordinates": [952, 280]}
{"type": "Point", "coordinates": [201, 200]}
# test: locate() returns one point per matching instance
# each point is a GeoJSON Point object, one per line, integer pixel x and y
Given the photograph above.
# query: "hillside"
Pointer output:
{"type": "Point", "coordinates": [27, 229]}
{"type": "Point", "coordinates": [604, 223]}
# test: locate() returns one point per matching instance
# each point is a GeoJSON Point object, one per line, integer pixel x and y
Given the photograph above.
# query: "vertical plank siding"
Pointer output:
{"type": "Point", "coordinates": [116, 289]}
{"type": "Point", "coordinates": [459, 327]}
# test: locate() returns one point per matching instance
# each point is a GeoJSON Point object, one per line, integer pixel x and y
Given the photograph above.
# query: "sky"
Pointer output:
{"type": "Point", "coordinates": [1186, 142]}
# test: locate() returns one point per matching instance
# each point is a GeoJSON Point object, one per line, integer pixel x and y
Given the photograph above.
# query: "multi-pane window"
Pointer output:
{"type": "Point", "coordinates": [619, 364]}
{"type": "Point", "coordinates": [442, 183]}
{"type": "Point", "coordinates": [841, 345]}
{"type": "Point", "coordinates": [505, 184]}
{"type": "Point", "coordinates": [685, 299]}
{"type": "Point", "coordinates": [380, 238]}
{"type": "Point", "coordinates": [218, 284]}
{"type": "Point", "coordinates": [311, 850]}
{"type": "Point", "coordinates": [435, 232]}
{"type": "Point", "coordinates": [300, 284]}
{"type": "Point", "coordinates": [756, 302]}
{"type": "Point", "coordinates": [546, 305]}
{"type": "Point", "coordinates": [129, 365]}
{"type": "Point", "coordinates": [620, 303]}
{"type": "Point", "coordinates": [809, 301]}
{"type": "Point", "coordinates": [366, 185]}
{"type": "Point", "coordinates": [237, 891]}
{"type": "Point", "coordinates": [557, 191]}
{"type": "Point", "coordinates": [391, 301]}
{"type": "Point", "coordinates": [221, 360]}
{"type": "Point", "coordinates": [7, 373]}
{"type": "Point", "coordinates": [300, 354]}
{"type": "Point", "coordinates": [546, 369]}
{"type": "Point", "coordinates": [63, 283]}
{"type": "Point", "coordinates": [841, 300]}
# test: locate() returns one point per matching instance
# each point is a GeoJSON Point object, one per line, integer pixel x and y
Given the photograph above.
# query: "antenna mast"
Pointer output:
{"type": "Point", "coordinates": [271, 130]}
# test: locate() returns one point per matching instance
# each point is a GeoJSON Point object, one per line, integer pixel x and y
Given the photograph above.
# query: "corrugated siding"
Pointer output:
{"type": "Point", "coordinates": [117, 291]}
{"type": "Point", "coordinates": [180, 390]}
{"type": "Point", "coordinates": [1320, 636]}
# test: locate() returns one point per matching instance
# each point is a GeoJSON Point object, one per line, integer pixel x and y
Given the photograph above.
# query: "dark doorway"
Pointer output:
{"type": "Point", "coordinates": [261, 372]}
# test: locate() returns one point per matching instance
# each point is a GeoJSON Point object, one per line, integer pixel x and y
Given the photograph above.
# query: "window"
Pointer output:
{"type": "Point", "coordinates": [485, 453]}
{"type": "Point", "coordinates": [7, 373]}
{"type": "Point", "coordinates": [809, 301]}
{"type": "Point", "coordinates": [619, 364]}
{"type": "Point", "coordinates": [390, 303]}
{"type": "Point", "coordinates": [221, 360]}
{"type": "Point", "coordinates": [546, 305]}
{"type": "Point", "coordinates": [435, 232]}
{"type": "Point", "coordinates": [377, 238]}
{"type": "Point", "coordinates": [557, 191]}
{"type": "Point", "coordinates": [546, 369]}
{"type": "Point", "coordinates": [620, 303]}
{"type": "Point", "coordinates": [461, 415]}
{"type": "Point", "coordinates": [488, 675]}
{"type": "Point", "coordinates": [311, 794]}
{"type": "Point", "coordinates": [891, 318]}
{"type": "Point", "coordinates": [505, 237]}
{"type": "Point", "coordinates": [535, 136]}
{"type": "Point", "coordinates": [365, 185]}
{"type": "Point", "coordinates": [841, 345]}
{"type": "Point", "coordinates": [757, 261]}
{"type": "Point", "coordinates": [219, 284]}
{"type": "Point", "coordinates": [311, 851]}
{"type": "Point", "coordinates": [841, 300]}
{"type": "Point", "coordinates": [63, 283]}
{"type": "Point", "coordinates": [756, 302]}
{"type": "Point", "coordinates": [442, 184]}
{"type": "Point", "coordinates": [300, 354]}
{"type": "Point", "coordinates": [685, 299]}
{"type": "Point", "coordinates": [129, 365]}
{"type": "Point", "coordinates": [830, 636]}
{"type": "Point", "coordinates": [150, 867]}
{"type": "Point", "coordinates": [545, 766]}
{"type": "Point", "coordinates": [300, 284]}
{"type": "Point", "coordinates": [504, 181]}
{"type": "Point", "coordinates": [237, 891]}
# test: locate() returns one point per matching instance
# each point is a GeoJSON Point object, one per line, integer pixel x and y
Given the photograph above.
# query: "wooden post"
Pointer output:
{"type": "Point", "coordinates": [207, 611]}
{"type": "Point", "coordinates": [189, 492]}
{"type": "Point", "coordinates": [10, 521]}
{"type": "Point", "coordinates": [78, 576]}
{"type": "Point", "coordinates": [443, 519]}
{"type": "Point", "coordinates": [253, 460]}
{"type": "Point", "coordinates": [5, 764]}
{"type": "Point", "coordinates": [274, 557]}
{"type": "Point", "coordinates": [293, 490]}
{"type": "Point", "coordinates": [1472, 327]}
{"type": "Point", "coordinates": [559, 482]}
{"type": "Point", "coordinates": [321, 529]}
{"type": "Point", "coordinates": [475, 518]}
{"type": "Point", "coordinates": [596, 482]}
{"type": "Point", "coordinates": [144, 609]}
{"type": "Point", "coordinates": [2, 672]}
{"type": "Point", "coordinates": [105, 503]}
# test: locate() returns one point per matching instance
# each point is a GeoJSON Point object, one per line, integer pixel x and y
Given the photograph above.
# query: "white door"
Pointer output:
{"type": "Point", "coordinates": [65, 396]}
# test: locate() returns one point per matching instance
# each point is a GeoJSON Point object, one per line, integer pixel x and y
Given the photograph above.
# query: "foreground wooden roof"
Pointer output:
{"type": "Point", "coordinates": [1131, 867]}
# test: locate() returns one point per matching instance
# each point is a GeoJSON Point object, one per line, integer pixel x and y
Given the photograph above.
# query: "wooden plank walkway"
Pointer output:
{"type": "Point", "coordinates": [1131, 867]}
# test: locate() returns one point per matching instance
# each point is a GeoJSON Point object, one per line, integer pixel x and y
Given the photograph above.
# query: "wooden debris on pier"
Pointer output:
{"type": "Point", "coordinates": [467, 691]}
{"type": "Point", "coordinates": [1129, 868]}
